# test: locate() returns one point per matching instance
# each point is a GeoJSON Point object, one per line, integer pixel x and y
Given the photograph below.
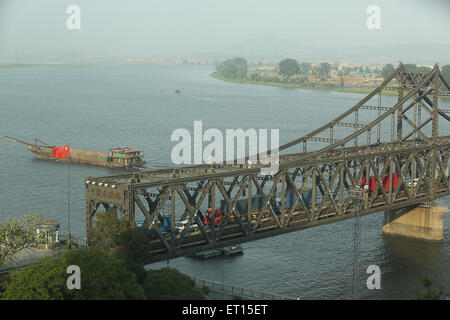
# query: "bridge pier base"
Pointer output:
{"type": "Point", "coordinates": [422, 222]}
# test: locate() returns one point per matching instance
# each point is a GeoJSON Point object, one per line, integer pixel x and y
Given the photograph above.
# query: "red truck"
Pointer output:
{"type": "Point", "coordinates": [373, 182]}
{"type": "Point", "coordinates": [217, 216]}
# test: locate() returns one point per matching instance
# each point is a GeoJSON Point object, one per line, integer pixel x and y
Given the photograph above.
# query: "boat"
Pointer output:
{"type": "Point", "coordinates": [208, 254]}
{"type": "Point", "coordinates": [227, 252]}
{"type": "Point", "coordinates": [120, 157]}
{"type": "Point", "coordinates": [232, 251]}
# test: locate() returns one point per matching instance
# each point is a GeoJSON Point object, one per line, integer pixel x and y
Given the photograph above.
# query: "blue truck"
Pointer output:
{"type": "Point", "coordinates": [163, 227]}
{"type": "Point", "coordinates": [258, 199]}
{"type": "Point", "coordinates": [290, 199]}
{"type": "Point", "coordinates": [242, 204]}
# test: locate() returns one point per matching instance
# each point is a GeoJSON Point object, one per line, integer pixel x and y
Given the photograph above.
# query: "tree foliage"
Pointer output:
{"type": "Point", "coordinates": [445, 70]}
{"type": "Point", "coordinates": [305, 68]}
{"type": "Point", "coordinates": [430, 293]}
{"type": "Point", "coordinates": [233, 68]}
{"type": "Point", "coordinates": [113, 235]}
{"type": "Point", "coordinates": [324, 71]}
{"type": "Point", "coordinates": [17, 234]}
{"type": "Point", "coordinates": [414, 68]}
{"type": "Point", "coordinates": [387, 70]}
{"type": "Point", "coordinates": [102, 277]}
{"type": "Point", "coordinates": [288, 67]}
{"type": "Point", "coordinates": [168, 283]}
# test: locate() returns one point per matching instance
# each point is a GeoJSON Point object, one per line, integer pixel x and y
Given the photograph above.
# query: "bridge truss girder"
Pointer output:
{"type": "Point", "coordinates": [418, 158]}
{"type": "Point", "coordinates": [330, 178]}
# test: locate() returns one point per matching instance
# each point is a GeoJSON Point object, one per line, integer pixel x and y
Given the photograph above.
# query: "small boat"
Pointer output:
{"type": "Point", "coordinates": [120, 157]}
{"type": "Point", "coordinates": [208, 254]}
{"type": "Point", "coordinates": [232, 251]}
{"type": "Point", "coordinates": [227, 251]}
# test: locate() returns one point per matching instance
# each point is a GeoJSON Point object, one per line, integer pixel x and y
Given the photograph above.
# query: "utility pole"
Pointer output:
{"type": "Point", "coordinates": [357, 195]}
{"type": "Point", "coordinates": [69, 240]}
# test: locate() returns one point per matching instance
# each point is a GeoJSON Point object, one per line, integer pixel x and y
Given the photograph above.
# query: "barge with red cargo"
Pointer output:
{"type": "Point", "coordinates": [120, 157]}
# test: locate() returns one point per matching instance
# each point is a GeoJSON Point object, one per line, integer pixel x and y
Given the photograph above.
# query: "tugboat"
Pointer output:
{"type": "Point", "coordinates": [120, 157]}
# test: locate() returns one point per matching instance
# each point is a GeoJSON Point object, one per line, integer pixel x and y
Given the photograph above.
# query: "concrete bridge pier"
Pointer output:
{"type": "Point", "coordinates": [422, 222]}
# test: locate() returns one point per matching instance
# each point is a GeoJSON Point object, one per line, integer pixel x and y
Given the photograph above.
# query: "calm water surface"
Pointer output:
{"type": "Point", "coordinates": [106, 105]}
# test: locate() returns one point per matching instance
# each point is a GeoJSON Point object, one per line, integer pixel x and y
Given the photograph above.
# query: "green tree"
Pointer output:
{"type": "Point", "coordinates": [324, 71]}
{"type": "Point", "coordinates": [429, 293]}
{"type": "Point", "coordinates": [168, 283]}
{"type": "Point", "coordinates": [305, 68]}
{"type": "Point", "coordinates": [288, 67]}
{"type": "Point", "coordinates": [445, 70]}
{"type": "Point", "coordinates": [414, 68]}
{"type": "Point", "coordinates": [255, 76]}
{"type": "Point", "coordinates": [233, 68]}
{"type": "Point", "coordinates": [410, 67]}
{"type": "Point", "coordinates": [113, 235]}
{"type": "Point", "coordinates": [102, 277]}
{"type": "Point", "coordinates": [387, 70]}
{"type": "Point", "coordinates": [227, 69]}
{"type": "Point", "coordinates": [241, 67]}
{"type": "Point", "coordinates": [17, 234]}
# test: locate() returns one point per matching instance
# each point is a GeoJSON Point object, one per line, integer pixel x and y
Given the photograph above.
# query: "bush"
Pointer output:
{"type": "Point", "coordinates": [102, 277]}
{"type": "Point", "coordinates": [170, 284]}
{"type": "Point", "coordinates": [113, 235]}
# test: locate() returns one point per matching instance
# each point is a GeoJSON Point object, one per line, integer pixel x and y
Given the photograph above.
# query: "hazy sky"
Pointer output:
{"type": "Point", "coordinates": [175, 27]}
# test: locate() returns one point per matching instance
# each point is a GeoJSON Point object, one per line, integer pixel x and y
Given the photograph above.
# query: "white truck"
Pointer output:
{"type": "Point", "coordinates": [180, 226]}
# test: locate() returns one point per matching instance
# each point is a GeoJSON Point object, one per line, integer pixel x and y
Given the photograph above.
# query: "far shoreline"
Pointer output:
{"type": "Point", "coordinates": [298, 86]}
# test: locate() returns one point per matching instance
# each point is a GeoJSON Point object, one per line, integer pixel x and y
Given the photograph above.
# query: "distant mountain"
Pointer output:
{"type": "Point", "coordinates": [270, 47]}
{"type": "Point", "coordinates": [263, 47]}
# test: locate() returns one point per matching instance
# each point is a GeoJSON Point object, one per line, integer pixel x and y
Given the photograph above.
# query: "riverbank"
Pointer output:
{"type": "Point", "coordinates": [44, 65]}
{"type": "Point", "coordinates": [308, 87]}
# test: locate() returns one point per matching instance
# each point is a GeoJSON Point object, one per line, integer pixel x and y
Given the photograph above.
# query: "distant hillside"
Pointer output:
{"type": "Point", "coordinates": [270, 47]}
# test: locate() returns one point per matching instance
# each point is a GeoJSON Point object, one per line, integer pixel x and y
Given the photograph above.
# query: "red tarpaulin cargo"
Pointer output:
{"type": "Point", "coordinates": [372, 183]}
{"type": "Point", "coordinates": [61, 152]}
{"type": "Point", "coordinates": [394, 181]}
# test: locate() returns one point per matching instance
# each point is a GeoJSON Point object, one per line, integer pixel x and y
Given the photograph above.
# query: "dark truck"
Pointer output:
{"type": "Point", "coordinates": [163, 227]}
{"type": "Point", "coordinates": [241, 207]}
{"type": "Point", "coordinates": [290, 199]}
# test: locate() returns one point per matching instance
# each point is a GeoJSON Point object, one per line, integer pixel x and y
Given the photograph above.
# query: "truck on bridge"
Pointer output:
{"type": "Point", "coordinates": [163, 227]}
{"type": "Point", "coordinates": [372, 182]}
{"type": "Point", "coordinates": [241, 208]}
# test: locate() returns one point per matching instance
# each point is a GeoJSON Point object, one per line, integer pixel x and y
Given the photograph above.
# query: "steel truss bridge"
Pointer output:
{"type": "Point", "coordinates": [408, 138]}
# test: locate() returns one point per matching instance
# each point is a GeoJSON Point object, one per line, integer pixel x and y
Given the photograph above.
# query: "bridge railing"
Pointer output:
{"type": "Point", "coordinates": [245, 293]}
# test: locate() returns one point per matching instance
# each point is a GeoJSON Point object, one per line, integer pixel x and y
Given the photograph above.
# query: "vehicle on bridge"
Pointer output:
{"type": "Point", "coordinates": [181, 225]}
{"type": "Point", "coordinates": [209, 215]}
{"type": "Point", "coordinates": [290, 200]}
{"type": "Point", "coordinates": [257, 200]}
{"type": "Point", "coordinates": [372, 182]}
{"type": "Point", "coordinates": [163, 227]}
{"type": "Point", "coordinates": [414, 182]}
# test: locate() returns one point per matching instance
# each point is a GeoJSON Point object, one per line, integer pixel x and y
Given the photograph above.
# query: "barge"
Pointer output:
{"type": "Point", "coordinates": [120, 157]}
{"type": "Point", "coordinates": [227, 252]}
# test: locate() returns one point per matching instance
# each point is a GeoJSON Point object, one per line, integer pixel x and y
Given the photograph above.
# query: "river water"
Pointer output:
{"type": "Point", "coordinates": [106, 105]}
